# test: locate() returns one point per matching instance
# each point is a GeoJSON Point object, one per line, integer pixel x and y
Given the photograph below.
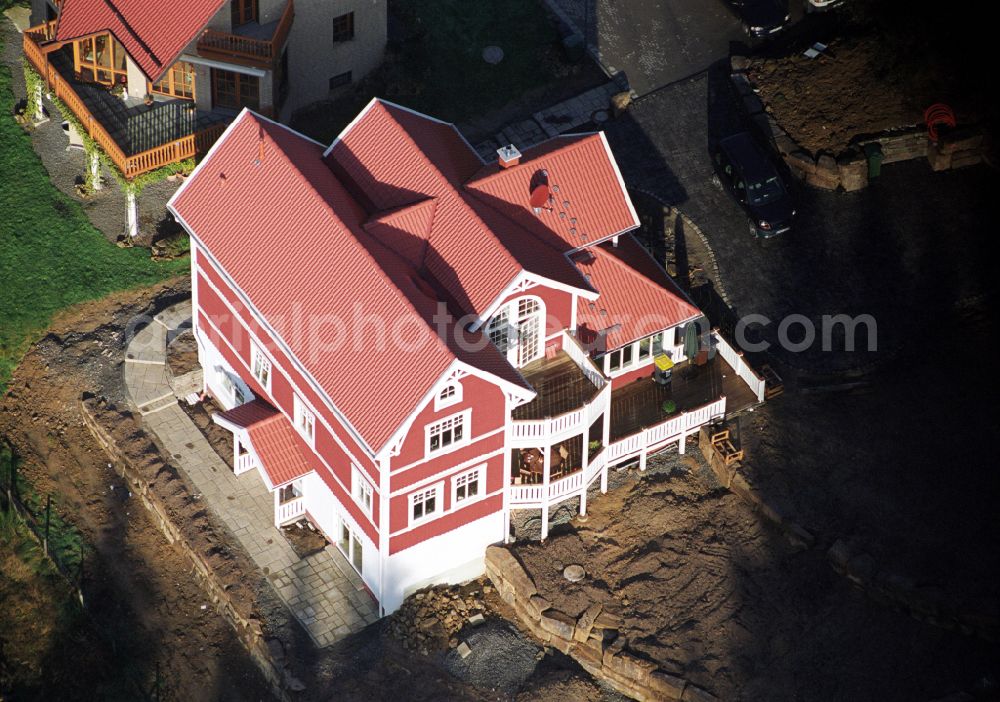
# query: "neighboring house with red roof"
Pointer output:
{"type": "Point", "coordinates": [411, 344]}
{"type": "Point", "coordinates": [155, 83]}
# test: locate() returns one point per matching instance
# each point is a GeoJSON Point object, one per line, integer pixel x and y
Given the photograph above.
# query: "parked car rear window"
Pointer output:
{"type": "Point", "coordinates": [765, 191]}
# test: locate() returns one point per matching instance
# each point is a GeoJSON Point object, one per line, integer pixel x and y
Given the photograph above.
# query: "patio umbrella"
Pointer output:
{"type": "Point", "coordinates": [691, 340]}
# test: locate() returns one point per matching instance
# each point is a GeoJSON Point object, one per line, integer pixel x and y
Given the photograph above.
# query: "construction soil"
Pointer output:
{"type": "Point", "coordinates": [146, 610]}
{"type": "Point", "coordinates": [713, 594]}
{"type": "Point", "coordinates": [850, 91]}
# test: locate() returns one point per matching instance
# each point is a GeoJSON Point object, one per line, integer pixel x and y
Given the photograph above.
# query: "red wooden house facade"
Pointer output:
{"type": "Point", "coordinates": [411, 343]}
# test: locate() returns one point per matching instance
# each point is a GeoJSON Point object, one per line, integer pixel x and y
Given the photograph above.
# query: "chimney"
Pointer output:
{"type": "Point", "coordinates": [509, 156]}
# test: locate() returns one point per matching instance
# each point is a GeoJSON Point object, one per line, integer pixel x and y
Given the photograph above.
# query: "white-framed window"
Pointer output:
{"type": "Point", "coordinates": [305, 421]}
{"type": "Point", "coordinates": [260, 367]}
{"type": "Point", "coordinates": [292, 491]}
{"type": "Point", "coordinates": [349, 542]}
{"type": "Point", "coordinates": [426, 504]}
{"type": "Point", "coordinates": [450, 394]}
{"type": "Point", "coordinates": [361, 489]}
{"type": "Point", "coordinates": [518, 330]}
{"type": "Point", "coordinates": [448, 433]}
{"type": "Point", "coordinates": [638, 353]}
{"type": "Point", "coordinates": [468, 486]}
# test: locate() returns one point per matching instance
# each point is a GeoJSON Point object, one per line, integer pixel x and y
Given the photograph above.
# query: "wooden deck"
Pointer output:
{"type": "Point", "coordinates": [561, 387]}
{"type": "Point", "coordinates": [640, 404]}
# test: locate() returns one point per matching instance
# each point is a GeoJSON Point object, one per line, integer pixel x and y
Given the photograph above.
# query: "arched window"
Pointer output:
{"type": "Point", "coordinates": [450, 394]}
{"type": "Point", "coordinates": [518, 330]}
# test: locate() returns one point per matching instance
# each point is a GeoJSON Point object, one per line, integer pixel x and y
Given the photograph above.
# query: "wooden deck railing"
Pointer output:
{"type": "Point", "coordinates": [256, 52]}
{"type": "Point", "coordinates": [130, 166]}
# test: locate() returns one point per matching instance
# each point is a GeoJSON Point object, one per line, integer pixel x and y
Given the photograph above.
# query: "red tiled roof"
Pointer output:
{"type": "Point", "coordinates": [283, 453]}
{"type": "Point", "coordinates": [637, 295]}
{"type": "Point", "coordinates": [394, 157]}
{"type": "Point", "coordinates": [153, 33]}
{"type": "Point", "coordinates": [383, 224]}
{"type": "Point", "coordinates": [292, 238]}
{"type": "Point", "coordinates": [584, 184]}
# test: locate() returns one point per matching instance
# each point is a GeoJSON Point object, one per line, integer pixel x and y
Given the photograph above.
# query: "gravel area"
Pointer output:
{"type": "Point", "coordinates": [500, 659]}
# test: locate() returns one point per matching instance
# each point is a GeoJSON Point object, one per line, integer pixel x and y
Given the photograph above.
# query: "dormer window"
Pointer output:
{"type": "Point", "coordinates": [450, 394]}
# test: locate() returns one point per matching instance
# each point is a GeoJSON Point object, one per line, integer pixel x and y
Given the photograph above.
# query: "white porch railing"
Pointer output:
{"type": "Point", "coordinates": [244, 463]}
{"type": "Point", "coordinates": [666, 432]}
{"type": "Point", "coordinates": [287, 511]}
{"type": "Point", "coordinates": [533, 432]}
{"type": "Point", "coordinates": [575, 351]}
{"type": "Point", "coordinates": [735, 359]}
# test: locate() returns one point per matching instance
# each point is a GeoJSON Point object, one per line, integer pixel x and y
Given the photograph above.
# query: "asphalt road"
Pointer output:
{"type": "Point", "coordinates": [656, 42]}
{"type": "Point", "coordinates": [906, 250]}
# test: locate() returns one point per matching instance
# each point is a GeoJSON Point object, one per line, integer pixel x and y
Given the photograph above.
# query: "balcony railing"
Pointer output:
{"type": "Point", "coordinates": [248, 50]}
{"type": "Point", "coordinates": [131, 166]}
{"type": "Point", "coordinates": [557, 490]}
{"type": "Point", "coordinates": [285, 512]}
{"type": "Point", "coordinates": [735, 359]}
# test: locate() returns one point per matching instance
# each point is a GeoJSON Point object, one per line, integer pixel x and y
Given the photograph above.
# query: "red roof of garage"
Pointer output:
{"type": "Point", "coordinates": [153, 33]}
{"type": "Point", "coordinates": [283, 453]}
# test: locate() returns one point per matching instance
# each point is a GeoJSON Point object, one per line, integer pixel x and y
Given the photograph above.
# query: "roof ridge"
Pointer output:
{"type": "Point", "coordinates": [450, 186]}
{"type": "Point", "coordinates": [583, 138]}
{"type": "Point", "coordinates": [385, 278]}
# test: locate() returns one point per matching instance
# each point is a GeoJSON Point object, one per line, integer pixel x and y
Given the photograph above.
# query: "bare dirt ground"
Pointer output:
{"type": "Point", "coordinates": [887, 61]}
{"type": "Point", "coordinates": [140, 591]}
{"type": "Point", "coordinates": [719, 597]}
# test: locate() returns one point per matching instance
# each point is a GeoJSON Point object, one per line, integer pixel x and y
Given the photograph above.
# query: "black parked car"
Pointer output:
{"type": "Point", "coordinates": [745, 168]}
{"type": "Point", "coordinates": [762, 18]}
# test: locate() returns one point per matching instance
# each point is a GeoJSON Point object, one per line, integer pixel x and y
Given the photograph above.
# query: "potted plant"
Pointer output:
{"type": "Point", "coordinates": [669, 406]}
{"type": "Point", "coordinates": [147, 99]}
{"type": "Point", "coordinates": [595, 446]}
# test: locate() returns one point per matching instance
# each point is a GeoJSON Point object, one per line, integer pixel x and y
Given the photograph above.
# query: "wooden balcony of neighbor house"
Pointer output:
{"type": "Point", "coordinates": [251, 44]}
{"type": "Point", "coordinates": [138, 138]}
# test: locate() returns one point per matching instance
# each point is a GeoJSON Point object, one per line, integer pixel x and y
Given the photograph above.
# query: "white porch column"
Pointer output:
{"type": "Point", "coordinates": [606, 438]}
{"type": "Point", "coordinates": [94, 163]}
{"type": "Point", "coordinates": [642, 460]}
{"type": "Point", "coordinates": [38, 111]}
{"type": "Point", "coordinates": [132, 207]}
{"type": "Point", "coordinates": [583, 467]}
{"type": "Point", "coordinates": [682, 446]}
{"type": "Point", "coordinates": [546, 471]}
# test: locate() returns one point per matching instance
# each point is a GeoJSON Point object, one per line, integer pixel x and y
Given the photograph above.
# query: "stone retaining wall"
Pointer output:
{"type": "Point", "coordinates": [958, 148]}
{"type": "Point", "coordinates": [229, 580]}
{"type": "Point", "coordinates": [926, 604]}
{"type": "Point", "coordinates": [730, 478]}
{"type": "Point", "coordinates": [593, 639]}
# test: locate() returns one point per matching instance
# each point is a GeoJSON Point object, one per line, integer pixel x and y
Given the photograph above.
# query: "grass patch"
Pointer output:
{"type": "Point", "coordinates": [437, 65]}
{"type": "Point", "coordinates": [51, 256]}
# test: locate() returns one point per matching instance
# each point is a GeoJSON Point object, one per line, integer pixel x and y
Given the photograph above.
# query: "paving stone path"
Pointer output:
{"type": "Point", "coordinates": [322, 590]}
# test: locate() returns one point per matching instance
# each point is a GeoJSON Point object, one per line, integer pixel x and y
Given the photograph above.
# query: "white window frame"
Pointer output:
{"type": "Point", "coordinates": [304, 416]}
{"type": "Point", "coordinates": [448, 396]}
{"type": "Point", "coordinates": [635, 362]}
{"type": "Point", "coordinates": [256, 352]}
{"type": "Point", "coordinates": [352, 539]}
{"type": "Point", "coordinates": [362, 491]}
{"type": "Point", "coordinates": [464, 416]}
{"type": "Point", "coordinates": [478, 474]}
{"type": "Point", "coordinates": [437, 489]}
